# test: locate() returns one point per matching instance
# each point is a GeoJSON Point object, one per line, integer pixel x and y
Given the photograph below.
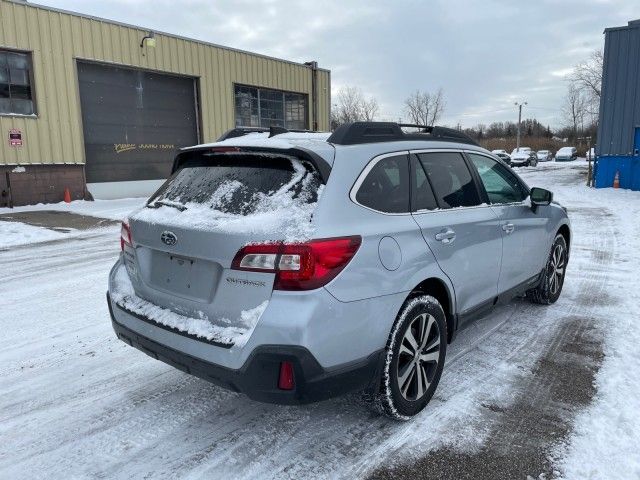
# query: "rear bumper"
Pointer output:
{"type": "Point", "coordinates": [258, 376]}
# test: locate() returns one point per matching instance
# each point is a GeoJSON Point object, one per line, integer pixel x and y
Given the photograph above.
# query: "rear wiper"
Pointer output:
{"type": "Point", "coordinates": [167, 203]}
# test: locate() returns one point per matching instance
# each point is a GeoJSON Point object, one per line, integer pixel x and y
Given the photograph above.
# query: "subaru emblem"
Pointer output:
{"type": "Point", "coordinates": [168, 238]}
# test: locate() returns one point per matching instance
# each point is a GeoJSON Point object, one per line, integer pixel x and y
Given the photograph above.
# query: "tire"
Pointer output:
{"type": "Point", "coordinates": [550, 287]}
{"type": "Point", "coordinates": [421, 322]}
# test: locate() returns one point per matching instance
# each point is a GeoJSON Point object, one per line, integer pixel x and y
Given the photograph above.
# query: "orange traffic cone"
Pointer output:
{"type": "Point", "coordinates": [616, 180]}
{"type": "Point", "coordinates": [67, 195]}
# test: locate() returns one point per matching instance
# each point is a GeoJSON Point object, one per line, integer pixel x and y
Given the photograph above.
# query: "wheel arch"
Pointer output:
{"type": "Point", "coordinates": [439, 289]}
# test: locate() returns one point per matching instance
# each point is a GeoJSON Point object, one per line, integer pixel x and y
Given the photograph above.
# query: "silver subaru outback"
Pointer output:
{"type": "Point", "coordinates": [295, 267]}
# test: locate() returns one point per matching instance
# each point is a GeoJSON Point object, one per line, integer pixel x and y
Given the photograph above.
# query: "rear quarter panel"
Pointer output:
{"type": "Point", "coordinates": [365, 276]}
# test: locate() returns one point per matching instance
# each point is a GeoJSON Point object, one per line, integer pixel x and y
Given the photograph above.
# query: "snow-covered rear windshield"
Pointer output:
{"type": "Point", "coordinates": [240, 184]}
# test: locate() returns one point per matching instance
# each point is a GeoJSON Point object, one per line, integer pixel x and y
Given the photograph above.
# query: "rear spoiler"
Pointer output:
{"type": "Point", "coordinates": [320, 164]}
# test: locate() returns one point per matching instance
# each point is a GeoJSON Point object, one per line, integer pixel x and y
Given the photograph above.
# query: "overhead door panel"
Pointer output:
{"type": "Point", "coordinates": [134, 121]}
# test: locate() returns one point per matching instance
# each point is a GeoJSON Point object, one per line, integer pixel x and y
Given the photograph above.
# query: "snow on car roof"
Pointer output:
{"type": "Point", "coordinates": [262, 139]}
{"type": "Point", "coordinates": [315, 141]}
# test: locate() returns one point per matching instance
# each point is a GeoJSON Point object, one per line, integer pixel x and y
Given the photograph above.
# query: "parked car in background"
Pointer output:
{"type": "Point", "coordinates": [524, 158]}
{"type": "Point", "coordinates": [503, 156]}
{"type": "Point", "coordinates": [521, 149]}
{"type": "Point", "coordinates": [499, 150]}
{"type": "Point", "coordinates": [566, 154]}
{"type": "Point", "coordinates": [544, 155]}
{"type": "Point", "coordinates": [295, 267]}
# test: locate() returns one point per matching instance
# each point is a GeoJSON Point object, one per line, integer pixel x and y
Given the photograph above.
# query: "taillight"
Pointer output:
{"type": "Point", "coordinates": [125, 236]}
{"type": "Point", "coordinates": [299, 266]}
{"type": "Point", "coordinates": [224, 149]}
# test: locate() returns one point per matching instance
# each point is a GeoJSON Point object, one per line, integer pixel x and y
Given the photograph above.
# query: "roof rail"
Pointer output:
{"type": "Point", "coordinates": [273, 131]}
{"type": "Point", "coordinates": [372, 132]}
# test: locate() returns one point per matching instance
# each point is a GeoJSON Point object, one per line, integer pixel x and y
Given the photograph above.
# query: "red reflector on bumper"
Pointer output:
{"type": "Point", "coordinates": [286, 379]}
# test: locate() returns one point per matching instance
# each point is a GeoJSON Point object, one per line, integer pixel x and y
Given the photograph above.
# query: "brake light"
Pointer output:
{"type": "Point", "coordinates": [125, 236]}
{"type": "Point", "coordinates": [299, 266]}
{"type": "Point", "coordinates": [224, 149]}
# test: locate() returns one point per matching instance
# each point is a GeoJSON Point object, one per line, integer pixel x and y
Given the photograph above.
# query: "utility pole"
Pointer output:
{"type": "Point", "coordinates": [519, 105]}
{"type": "Point", "coordinates": [590, 171]}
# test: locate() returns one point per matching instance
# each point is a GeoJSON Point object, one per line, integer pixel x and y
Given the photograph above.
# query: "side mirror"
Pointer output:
{"type": "Point", "coordinates": [540, 197]}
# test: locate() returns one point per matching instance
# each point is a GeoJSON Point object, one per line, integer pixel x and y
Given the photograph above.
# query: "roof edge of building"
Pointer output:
{"type": "Point", "coordinates": [630, 24]}
{"type": "Point", "coordinates": [166, 34]}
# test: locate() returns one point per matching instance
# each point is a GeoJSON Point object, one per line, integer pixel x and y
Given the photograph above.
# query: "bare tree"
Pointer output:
{"type": "Point", "coordinates": [574, 108]}
{"type": "Point", "coordinates": [369, 109]}
{"type": "Point", "coordinates": [588, 74]}
{"type": "Point", "coordinates": [587, 77]}
{"type": "Point", "coordinates": [352, 106]}
{"type": "Point", "coordinates": [424, 108]}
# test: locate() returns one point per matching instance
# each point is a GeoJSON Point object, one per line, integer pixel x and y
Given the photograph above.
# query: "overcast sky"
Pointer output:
{"type": "Point", "coordinates": [485, 54]}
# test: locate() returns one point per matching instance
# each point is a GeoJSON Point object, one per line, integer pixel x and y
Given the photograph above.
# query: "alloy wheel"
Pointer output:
{"type": "Point", "coordinates": [418, 357]}
{"type": "Point", "coordinates": [556, 267]}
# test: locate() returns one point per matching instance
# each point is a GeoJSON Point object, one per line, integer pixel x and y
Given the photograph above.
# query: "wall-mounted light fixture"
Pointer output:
{"type": "Point", "coordinates": [149, 40]}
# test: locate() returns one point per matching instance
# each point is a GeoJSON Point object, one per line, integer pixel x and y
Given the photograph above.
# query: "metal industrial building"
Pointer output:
{"type": "Point", "coordinates": [618, 148]}
{"type": "Point", "coordinates": [91, 104]}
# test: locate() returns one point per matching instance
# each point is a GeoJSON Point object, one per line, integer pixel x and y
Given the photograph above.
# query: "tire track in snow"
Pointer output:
{"type": "Point", "coordinates": [136, 416]}
{"type": "Point", "coordinates": [525, 433]}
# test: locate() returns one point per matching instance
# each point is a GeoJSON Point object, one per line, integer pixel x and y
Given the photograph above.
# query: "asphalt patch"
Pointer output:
{"type": "Point", "coordinates": [58, 221]}
{"type": "Point", "coordinates": [526, 432]}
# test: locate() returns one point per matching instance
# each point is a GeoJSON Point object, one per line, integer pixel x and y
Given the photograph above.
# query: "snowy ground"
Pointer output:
{"type": "Point", "coordinates": [76, 402]}
{"type": "Point", "coordinates": [14, 233]}
{"type": "Point", "coordinates": [112, 209]}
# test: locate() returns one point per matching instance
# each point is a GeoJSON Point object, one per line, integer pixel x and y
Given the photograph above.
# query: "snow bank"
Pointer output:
{"type": "Point", "coordinates": [235, 332]}
{"type": "Point", "coordinates": [15, 233]}
{"type": "Point", "coordinates": [111, 209]}
{"type": "Point", "coordinates": [277, 215]}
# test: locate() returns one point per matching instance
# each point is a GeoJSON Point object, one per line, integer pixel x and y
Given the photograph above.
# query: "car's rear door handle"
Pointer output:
{"type": "Point", "coordinates": [446, 235]}
{"type": "Point", "coordinates": [508, 227]}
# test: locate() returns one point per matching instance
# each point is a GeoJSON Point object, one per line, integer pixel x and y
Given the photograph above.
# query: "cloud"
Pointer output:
{"type": "Point", "coordinates": [485, 55]}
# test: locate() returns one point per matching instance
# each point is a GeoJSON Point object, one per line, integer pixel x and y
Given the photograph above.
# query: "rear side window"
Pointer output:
{"type": "Point", "coordinates": [386, 186]}
{"type": "Point", "coordinates": [450, 178]}
{"type": "Point", "coordinates": [239, 184]}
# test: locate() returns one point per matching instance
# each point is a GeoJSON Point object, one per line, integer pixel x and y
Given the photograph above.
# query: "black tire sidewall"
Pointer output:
{"type": "Point", "coordinates": [395, 404]}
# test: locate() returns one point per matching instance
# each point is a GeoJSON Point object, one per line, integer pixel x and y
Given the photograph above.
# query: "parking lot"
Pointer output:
{"type": "Point", "coordinates": [519, 394]}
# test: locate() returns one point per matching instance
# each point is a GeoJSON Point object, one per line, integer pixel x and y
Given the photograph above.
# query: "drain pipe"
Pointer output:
{"type": "Point", "coordinates": [9, 192]}
{"type": "Point", "coordinates": [314, 92]}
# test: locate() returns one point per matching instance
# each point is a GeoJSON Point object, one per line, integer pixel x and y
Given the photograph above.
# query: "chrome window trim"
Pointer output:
{"type": "Point", "coordinates": [363, 174]}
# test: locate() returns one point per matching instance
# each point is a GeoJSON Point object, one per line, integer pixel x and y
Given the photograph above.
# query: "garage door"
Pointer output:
{"type": "Point", "coordinates": [134, 121]}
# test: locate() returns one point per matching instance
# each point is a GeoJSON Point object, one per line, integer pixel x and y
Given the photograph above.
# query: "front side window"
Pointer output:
{"type": "Point", "coordinates": [450, 178]}
{"type": "Point", "coordinates": [386, 186]}
{"type": "Point", "coordinates": [16, 90]}
{"type": "Point", "coordinates": [422, 197]}
{"type": "Point", "coordinates": [501, 185]}
{"type": "Point", "coordinates": [262, 107]}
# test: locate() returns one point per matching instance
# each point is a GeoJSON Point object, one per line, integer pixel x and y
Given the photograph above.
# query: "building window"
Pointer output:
{"type": "Point", "coordinates": [16, 91]}
{"type": "Point", "coordinates": [261, 107]}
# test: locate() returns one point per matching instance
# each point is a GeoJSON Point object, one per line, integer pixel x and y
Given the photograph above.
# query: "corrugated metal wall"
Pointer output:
{"type": "Point", "coordinates": [56, 39]}
{"type": "Point", "coordinates": [620, 96]}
